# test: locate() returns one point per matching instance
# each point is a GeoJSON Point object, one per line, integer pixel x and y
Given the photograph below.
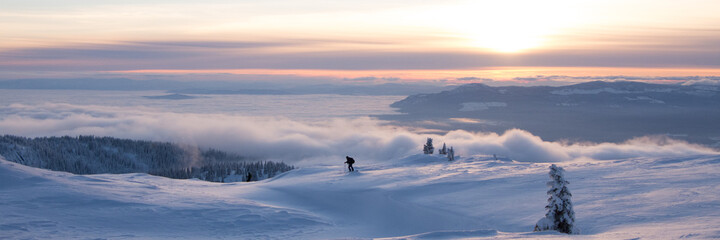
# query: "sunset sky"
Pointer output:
{"type": "Point", "coordinates": [398, 39]}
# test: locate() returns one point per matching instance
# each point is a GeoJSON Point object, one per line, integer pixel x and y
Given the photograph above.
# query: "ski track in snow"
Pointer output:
{"type": "Point", "coordinates": [418, 197]}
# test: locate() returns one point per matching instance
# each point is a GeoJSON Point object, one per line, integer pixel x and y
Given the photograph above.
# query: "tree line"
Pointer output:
{"type": "Point", "coordinates": [95, 155]}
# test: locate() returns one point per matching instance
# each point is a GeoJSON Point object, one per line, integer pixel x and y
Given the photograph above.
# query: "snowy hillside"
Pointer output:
{"type": "Point", "coordinates": [417, 197]}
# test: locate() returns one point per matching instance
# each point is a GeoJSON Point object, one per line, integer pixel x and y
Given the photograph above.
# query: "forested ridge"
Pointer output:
{"type": "Point", "coordinates": [95, 155]}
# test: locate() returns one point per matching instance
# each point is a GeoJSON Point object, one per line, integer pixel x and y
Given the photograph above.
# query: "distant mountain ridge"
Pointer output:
{"type": "Point", "coordinates": [221, 87]}
{"type": "Point", "coordinates": [91, 84]}
{"type": "Point", "coordinates": [597, 93]}
{"type": "Point", "coordinates": [591, 111]}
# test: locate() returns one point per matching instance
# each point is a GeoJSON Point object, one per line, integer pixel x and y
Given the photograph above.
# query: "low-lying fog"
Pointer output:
{"type": "Point", "coordinates": [300, 129]}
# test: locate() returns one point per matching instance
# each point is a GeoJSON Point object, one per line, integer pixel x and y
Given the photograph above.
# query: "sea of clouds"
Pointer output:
{"type": "Point", "coordinates": [292, 141]}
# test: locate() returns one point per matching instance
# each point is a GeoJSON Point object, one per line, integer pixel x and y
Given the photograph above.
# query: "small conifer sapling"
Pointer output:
{"type": "Point", "coordinates": [560, 215]}
{"type": "Point", "coordinates": [428, 147]}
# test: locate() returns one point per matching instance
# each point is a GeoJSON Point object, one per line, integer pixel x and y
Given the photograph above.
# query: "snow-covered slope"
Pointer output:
{"type": "Point", "coordinates": [418, 197]}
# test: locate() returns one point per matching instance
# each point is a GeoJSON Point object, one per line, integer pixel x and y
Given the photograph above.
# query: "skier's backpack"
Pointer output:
{"type": "Point", "coordinates": [350, 160]}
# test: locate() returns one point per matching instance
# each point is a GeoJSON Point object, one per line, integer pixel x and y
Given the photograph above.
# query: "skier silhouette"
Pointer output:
{"type": "Point", "coordinates": [249, 177]}
{"type": "Point", "coordinates": [350, 162]}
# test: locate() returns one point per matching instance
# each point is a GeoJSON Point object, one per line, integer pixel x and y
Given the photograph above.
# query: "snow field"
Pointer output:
{"type": "Point", "coordinates": [416, 197]}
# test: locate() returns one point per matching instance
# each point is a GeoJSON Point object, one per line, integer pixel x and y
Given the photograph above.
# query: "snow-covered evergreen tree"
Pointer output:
{"type": "Point", "coordinates": [443, 150]}
{"type": "Point", "coordinates": [428, 147]}
{"type": "Point", "coordinates": [560, 215]}
{"type": "Point", "coordinates": [451, 154]}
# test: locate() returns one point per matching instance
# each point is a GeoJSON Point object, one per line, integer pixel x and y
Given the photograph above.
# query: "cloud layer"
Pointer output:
{"type": "Point", "coordinates": [199, 55]}
{"type": "Point", "coordinates": [292, 141]}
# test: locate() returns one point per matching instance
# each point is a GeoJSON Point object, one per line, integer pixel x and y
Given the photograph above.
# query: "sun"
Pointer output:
{"type": "Point", "coordinates": [504, 39]}
{"type": "Point", "coordinates": [505, 26]}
